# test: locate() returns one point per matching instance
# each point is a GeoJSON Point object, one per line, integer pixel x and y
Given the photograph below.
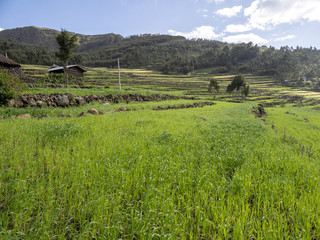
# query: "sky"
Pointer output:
{"type": "Point", "coordinates": [263, 22]}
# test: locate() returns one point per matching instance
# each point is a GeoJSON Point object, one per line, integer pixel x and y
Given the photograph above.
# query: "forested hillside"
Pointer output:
{"type": "Point", "coordinates": [168, 54]}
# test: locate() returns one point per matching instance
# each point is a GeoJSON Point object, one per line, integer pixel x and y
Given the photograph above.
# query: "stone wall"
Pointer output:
{"type": "Point", "coordinates": [69, 100]}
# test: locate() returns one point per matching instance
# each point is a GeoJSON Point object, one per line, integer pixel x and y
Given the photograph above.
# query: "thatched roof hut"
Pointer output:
{"type": "Point", "coordinates": [73, 70]}
{"type": "Point", "coordinates": [11, 66]}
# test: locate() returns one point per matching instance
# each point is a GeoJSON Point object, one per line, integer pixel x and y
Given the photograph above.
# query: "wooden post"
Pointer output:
{"type": "Point", "coordinates": [119, 73]}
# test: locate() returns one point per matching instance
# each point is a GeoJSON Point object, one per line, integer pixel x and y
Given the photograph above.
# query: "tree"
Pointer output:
{"type": "Point", "coordinates": [246, 90]}
{"type": "Point", "coordinates": [66, 43]}
{"type": "Point", "coordinates": [213, 86]}
{"type": "Point", "coordinates": [238, 83]}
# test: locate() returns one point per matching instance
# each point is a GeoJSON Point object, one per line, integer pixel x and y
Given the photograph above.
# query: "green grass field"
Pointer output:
{"type": "Point", "coordinates": [169, 174]}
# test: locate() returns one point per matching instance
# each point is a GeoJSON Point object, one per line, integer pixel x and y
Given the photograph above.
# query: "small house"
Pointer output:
{"type": "Point", "coordinates": [73, 70]}
{"type": "Point", "coordinates": [11, 66]}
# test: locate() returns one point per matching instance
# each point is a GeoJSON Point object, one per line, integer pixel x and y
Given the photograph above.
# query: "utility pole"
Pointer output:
{"type": "Point", "coordinates": [119, 73]}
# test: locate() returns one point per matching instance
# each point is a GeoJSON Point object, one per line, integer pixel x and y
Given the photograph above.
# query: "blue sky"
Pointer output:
{"type": "Point", "coordinates": [264, 22]}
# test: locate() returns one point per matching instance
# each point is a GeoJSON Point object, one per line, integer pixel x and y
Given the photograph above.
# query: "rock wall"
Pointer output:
{"type": "Point", "coordinates": [68, 99]}
{"type": "Point", "coordinates": [194, 105]}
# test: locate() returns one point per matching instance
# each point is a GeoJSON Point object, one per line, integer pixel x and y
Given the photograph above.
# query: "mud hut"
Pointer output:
{"type": "Point", "coordinates": [11, 66]}
{"type": "Point", "coordinates": [73, 70]}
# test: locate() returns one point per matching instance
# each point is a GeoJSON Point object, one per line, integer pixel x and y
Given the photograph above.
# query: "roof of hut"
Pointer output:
{"type": "Point", "coordinates": [69, 66]}
{"type": "Point", "coordinates": [8, 61]}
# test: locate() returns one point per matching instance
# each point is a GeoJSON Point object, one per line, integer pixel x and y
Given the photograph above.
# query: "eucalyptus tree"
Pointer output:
{"type": "Point", "coordinates": [66, 43]}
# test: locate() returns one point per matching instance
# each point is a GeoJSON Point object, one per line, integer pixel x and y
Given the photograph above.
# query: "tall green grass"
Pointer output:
{"type": "Point", "coordinates": [155, 175]}
{"type": "Point", "coordinates": [7, 112]}
{"type": "Point", "coordinates": [299, 127]}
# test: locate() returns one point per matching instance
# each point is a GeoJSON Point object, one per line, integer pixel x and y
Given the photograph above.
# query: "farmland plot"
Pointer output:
{"type": "Point", "coordinates": [158, 175]}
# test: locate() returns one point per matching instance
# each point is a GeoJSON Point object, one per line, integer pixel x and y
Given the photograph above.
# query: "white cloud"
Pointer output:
{"type": "Point", "coordinates": [205, 32]}
{"type": "Point", "coordinates": [250, 37]}
{"type": "Point", "coordinates": [229, 12]}
{"type": "Point", "coordinates": [253, 7]}
{"type": "Point", "coordinates": [1, 29]}
{"type": "Point", "coordinates": [203, 12]}
{"type": "Point", "coordinates": [285, 38]}
{"type": "Point", "coordinates": [200, 11]}
{"type": "Point", "coordinates": [236, 28]}
{"type": "Point", "coordinates": [266, 14]}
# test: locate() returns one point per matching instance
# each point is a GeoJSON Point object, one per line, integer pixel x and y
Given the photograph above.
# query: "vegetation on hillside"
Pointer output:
{"type": "Point", "coordinates": [170, 54]}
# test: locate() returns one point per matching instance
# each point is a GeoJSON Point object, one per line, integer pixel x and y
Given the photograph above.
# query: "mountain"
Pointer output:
{"type": "Point", "coordinates": [45, 37]}
{"type": "Point", "coordinates": [31, 35]}
{"type": "Point", "coordinates": [36, 45]}
{"type": "Point", "coordinates": [165, 53]}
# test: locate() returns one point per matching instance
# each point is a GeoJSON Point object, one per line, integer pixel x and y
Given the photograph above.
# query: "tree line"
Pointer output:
{"type": "Point", "coordinates": [177, 55]}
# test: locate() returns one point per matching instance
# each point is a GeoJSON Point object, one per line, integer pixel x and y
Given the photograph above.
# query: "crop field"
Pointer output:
{"type": "Point", "coordinates": [103, 80]}
{"type": "Point", "coordinates": [211, 172]}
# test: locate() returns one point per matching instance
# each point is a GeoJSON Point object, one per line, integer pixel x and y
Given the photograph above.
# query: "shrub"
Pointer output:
{"type": "Point", "coordinates": [10, 87]}
{"type": "Point", "coordinates": [55, 78]}
{"type": "Point", "coordinates": [239, 83]}
{"type": "Point", "coordinates": [213, 85]}
{"type": "Point", "coordinates": [80, 81]}
{"type": "Point", "coordinates": [58, 78]}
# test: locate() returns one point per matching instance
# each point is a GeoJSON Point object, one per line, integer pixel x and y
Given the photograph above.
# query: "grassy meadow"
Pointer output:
{"type": "Point", "coordinates": [169, 174]}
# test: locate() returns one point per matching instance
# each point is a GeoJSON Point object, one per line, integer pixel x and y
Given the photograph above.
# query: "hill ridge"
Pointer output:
{"type": "Point", "coordinates": [45, 37]}
{"type": "Point", "coordinates": [166, 53]}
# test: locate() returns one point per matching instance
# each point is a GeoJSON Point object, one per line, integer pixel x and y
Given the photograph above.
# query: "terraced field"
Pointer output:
{"type": "Point", "coordinates": [215, 171]}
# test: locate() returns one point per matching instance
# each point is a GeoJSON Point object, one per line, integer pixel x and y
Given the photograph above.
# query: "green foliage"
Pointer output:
{"type": "Point", "coordinates": [58, 78]}
{"type": "Point", "coordinates": [246, 90]}
{"type": "Point", "coordinates": [10, 87]}
{"type": "Point", "coordinates": [213, 85]}
{"type": "Point", "coordinates": [55, 78]}
{"type": "Point", "coordinates": [169, 54]}
{"type": "Point", "coordinates": [66, 44]}
{"type": "Point", "coordinates": [238, 83]}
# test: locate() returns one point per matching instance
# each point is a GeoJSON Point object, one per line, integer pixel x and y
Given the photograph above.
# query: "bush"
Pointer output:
{"type": "Point", "coordinates": [10, 87]}
{"type": "Point", "coordinates": [55, 78]}
{"type": "Point", "coordinates": [239, 83]}
{"type": "Point", "coordinates": [213, 85]}
{"type": "Point", "coordinates": [58, 78]}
